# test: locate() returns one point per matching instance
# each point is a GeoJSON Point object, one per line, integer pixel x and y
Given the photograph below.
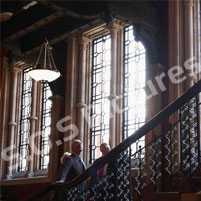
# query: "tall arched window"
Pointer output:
{"type": "Point", "coordinates": [131, 75]}
{"type": "Point", "coordinates": [44, 111]}
{"type": "Point", "coordinates": [31, 125]}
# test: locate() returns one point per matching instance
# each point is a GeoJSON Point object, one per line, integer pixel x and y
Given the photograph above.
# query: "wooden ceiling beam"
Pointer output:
{"type": "Point", "coordinates": [47, 20]}
{"type": "Point", "coordinates": [50, 31]}
{"type": "Point", "coordinates": [24, 19]}
{"type": "Point", "coordinates": [54, 6]}
{"type": "Point", "coordinates": [61, 36]}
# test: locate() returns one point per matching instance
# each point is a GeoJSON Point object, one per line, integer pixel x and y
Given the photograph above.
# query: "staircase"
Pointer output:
{"type": "Point", "coordinates": [7, 194]}
{"type": "Point", "coordinates": [174, 196]}
{"type": "Point", "coordinates": [166, 169]}
{"type": "Point", "coordinates": [182, 189]}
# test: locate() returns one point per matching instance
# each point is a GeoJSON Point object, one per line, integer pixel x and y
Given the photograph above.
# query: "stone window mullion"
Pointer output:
{"type": "Point", "coordinates": [4, 113]}
{"type": "Point", "coordinates": [197, 36]}
{"type": "Point", "coordinates": [113, 82]}
{"type": "Point", "coordinates": [36, 140]}
{"type": "Point", "coordinates": [119, 84]}
{"type": "Point", "coordinates": [12, 119]}
{"type": "Point", "coordinates": [33, 119]}
{"type": "Point", "coordinates": [18, 109]}
{"type": "Point", "coordinates": [71, 87]}
{"type": "Point", "coordinates": [81, 86]}
{"type": "Point", "coordinates": [86, 142]}
{"type": "Point", "coordinates": [189, 40]}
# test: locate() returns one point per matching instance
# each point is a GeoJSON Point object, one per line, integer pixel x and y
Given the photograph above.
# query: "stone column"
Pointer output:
{"type": "Point", "coordinates": [154, 103]}
{"type": "Point", "coordinates": [197, 41]}
{"type": "Point", "coordinates": [12, 119]}
{"type": "Point", "coordinates": [176, 49]}
{"type": "Point", "coordinates": [81, 89]}
{"type": "Point", "coordinates": [33, 119]}
{"type": "Point", "coordinates": [56, 110]}
{"type": "Point", "coordinates": [113, 94]}
{"type": "Point", "coordinates": [119, 102]}
{"type": "Point", "coordinates": [197, 37]}
{"type": "Point", "coordinates": [189, 40]}
{"type": "Point", "coordinates": [175, 45]}
{"type": "Point", "coordinates": [71, 88]}
{"type": "Point", "coordinates": [157, 77]}
{"type": "Point", "coordinates": [4, 109]}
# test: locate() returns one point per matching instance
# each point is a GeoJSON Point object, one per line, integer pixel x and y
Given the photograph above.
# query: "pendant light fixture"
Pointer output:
{"type": "Point", "coordinates": [45, 69]}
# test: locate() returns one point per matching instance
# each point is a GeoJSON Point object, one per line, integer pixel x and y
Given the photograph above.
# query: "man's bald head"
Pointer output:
{"type": "Point", "coordinates": [76, 147]}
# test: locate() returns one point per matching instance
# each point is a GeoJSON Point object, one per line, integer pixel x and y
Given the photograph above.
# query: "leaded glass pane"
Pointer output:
{"type": "Point", "coordinates": [24, 121]}
{"type": "Point", "coordinates": [100, 87]}
{"type": "Point", "coordinates": [45, 126]}
{"type": "Point", "coordinates": [133, 86]}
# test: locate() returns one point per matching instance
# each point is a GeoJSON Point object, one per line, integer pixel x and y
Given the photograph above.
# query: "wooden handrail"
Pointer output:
{"type": "Point", "coordinates": [157, 119]}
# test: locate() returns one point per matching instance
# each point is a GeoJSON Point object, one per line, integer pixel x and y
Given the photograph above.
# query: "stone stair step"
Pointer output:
{"type": "Point", "coordinates": [190, 197]}
{"type": "Point", "coordinates": [187, 185]}
{"type": "Point", "coordinates": [174, 196]}
{"type": "Point", "coordinates": [165, 196]}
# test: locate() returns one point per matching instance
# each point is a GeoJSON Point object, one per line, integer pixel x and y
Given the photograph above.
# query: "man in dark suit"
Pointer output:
{"type": "Point", "coordinates": [73, 165]}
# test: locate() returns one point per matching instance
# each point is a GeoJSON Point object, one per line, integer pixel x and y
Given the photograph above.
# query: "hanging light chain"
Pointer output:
{"type": "Point", "coordinates": [39, 55]}
{"type": "Point", "coordinates": [51, 58]}
{"type": "Point", "coordinates": [45, 61]}
{"type": "Point", "coordinates": [48, 56]}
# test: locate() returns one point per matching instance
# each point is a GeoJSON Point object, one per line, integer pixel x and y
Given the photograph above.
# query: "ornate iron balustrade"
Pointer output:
{"type": "Point", "coordinates": [175, 148]}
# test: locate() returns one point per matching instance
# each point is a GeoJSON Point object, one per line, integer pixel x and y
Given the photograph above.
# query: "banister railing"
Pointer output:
{"type": "Point", "coordinates": [177, 147]}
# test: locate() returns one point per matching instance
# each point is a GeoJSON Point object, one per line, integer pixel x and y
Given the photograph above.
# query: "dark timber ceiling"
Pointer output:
{"type": "Point", "coordinates": [28, 28]}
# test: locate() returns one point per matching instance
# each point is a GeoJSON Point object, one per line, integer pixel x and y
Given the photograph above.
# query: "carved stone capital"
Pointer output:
{"type": "Point", "coordinates": [188, 3]}
{"type": "Point", "coordinates": [113, 31]}
{"type": "Point", "coordinates": [20, 65]}
{"type": "Point", "coordinates": [114, 28]}
{"type": "Point", "coordinates": [12, 123]}
{"type": "Point", "coordinates": [16, 69]}
{"type": "Point", "coordinates": [83, 41]}
{"type": "Point", "coordinates": [33, 118]}
{"type": "Point", "coordinates": [191, 76]}
{"type": "Point", "coordinates": [81, 105]}
{"type": "Point", "coordinates": [71, 38]}
{"type": "Point", "coordinates": [112, 97]}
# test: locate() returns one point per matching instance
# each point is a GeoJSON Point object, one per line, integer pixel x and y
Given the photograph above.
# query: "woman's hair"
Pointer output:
{"type": "Point", "coordinates": [106, 145]}
{"type": "Point", "coordinates": [64, 157]}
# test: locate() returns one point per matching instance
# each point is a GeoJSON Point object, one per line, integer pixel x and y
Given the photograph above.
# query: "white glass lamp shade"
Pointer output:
{"type": "Point", "coordinates": [45, 69]}
{"type": "Point", "coordinates": [44, 75]}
